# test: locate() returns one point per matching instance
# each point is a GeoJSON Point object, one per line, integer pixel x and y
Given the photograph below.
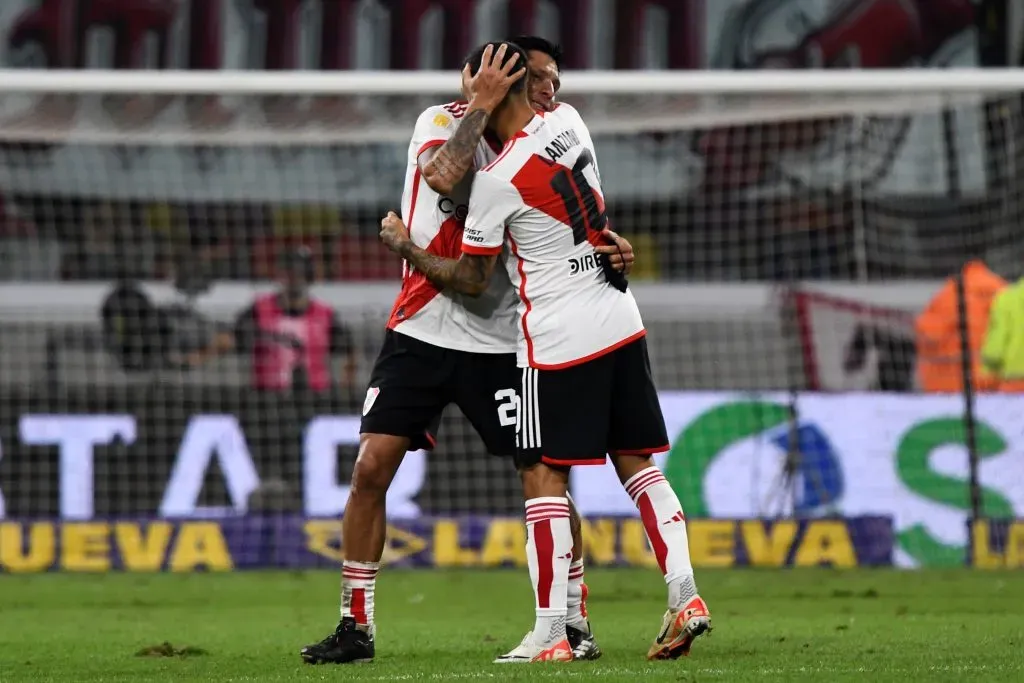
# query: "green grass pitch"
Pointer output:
{"type": "Point", "coordinates": [777, 625]}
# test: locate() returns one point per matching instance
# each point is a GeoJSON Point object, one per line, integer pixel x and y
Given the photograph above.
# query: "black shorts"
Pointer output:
{"type": "Point", "coordinates": [412, 382]}
{"type": "Point", "coordinates": [577, 415]}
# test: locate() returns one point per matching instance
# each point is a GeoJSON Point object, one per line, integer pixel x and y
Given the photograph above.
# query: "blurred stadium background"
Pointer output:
{"type": "Point", "coordinates": [787, 252]}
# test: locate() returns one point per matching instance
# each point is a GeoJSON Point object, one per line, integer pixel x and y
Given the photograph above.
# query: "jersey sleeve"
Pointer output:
{"type": "Point", "coordinates": [433, 128]}
{"type": "Point", "coordinates": [492, 203]}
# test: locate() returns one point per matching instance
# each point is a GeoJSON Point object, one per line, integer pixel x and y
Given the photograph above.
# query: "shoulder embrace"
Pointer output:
{"type": "Point", "coordinates": [443, 115]}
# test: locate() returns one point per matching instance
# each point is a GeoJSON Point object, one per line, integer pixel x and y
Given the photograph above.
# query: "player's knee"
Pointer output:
{"type": "Point", "coordinates": [378, 461]}
{"type": "Point", "coordinates": [542, 481]}
{"type": "Point", "coordinates": [628, 466]}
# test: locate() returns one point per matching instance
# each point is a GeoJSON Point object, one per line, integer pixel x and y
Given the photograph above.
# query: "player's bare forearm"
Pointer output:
{"type": "Point", "coordinates": [450, 163]}
{"type": "Point", "coordinates": [467, 275]}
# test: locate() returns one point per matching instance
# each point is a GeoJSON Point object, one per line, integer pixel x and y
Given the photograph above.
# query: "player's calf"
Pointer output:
{"type": "Point", "coordinates": [663, 519]}
{"type": "Point", "coordinates": [549, 555]}
{"type": "Point", "coordinates": [363, 530]}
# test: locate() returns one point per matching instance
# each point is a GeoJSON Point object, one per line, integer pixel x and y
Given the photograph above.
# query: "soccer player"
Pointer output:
{"type": "Point", "coordinates": [587, 389]}
{"type": "Point", "coordinates": [444, 344]}
{"type": "Point", "coordinates": [544, 63]}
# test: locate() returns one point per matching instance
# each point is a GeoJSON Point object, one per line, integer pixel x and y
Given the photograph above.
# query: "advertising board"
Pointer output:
{"type": "Point", "coordinates": [859, 453]}
{"type": "Point", "coordinates": [298, 542]}
{"type": "Point", "coordinates": [201, 455]}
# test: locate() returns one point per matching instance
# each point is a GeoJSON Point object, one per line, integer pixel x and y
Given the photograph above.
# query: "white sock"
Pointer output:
{"type": "Point", "coordinates": [549, 552]}
{"type": "Point", "coordinates": [358, 580]}
{"type": "Point", "coordinates": [663, 519]}
{"type": "Point", "coordinates": [576, 604]}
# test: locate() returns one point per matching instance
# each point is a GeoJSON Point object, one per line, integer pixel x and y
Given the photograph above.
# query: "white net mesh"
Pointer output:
{"type": "Point", "coordinates": [734, 203]}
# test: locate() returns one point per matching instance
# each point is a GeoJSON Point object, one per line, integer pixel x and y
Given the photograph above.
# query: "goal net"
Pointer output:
{"type": "Point", "coordinates": [788, 229]}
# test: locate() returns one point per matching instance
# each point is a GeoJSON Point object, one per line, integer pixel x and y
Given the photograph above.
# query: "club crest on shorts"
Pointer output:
{"type": "Point", "coordinates": [371, 396]}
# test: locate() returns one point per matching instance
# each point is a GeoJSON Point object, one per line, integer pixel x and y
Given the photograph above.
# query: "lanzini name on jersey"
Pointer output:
{"type": "Point", "coordinates": [565, 141]}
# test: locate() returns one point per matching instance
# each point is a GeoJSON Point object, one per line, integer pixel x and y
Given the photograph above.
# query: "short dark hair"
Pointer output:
{"type": "Point", "coordinates": [298, 260]}
{"type": "Point", "coordinates": [531, 43]}
{"type": "Point", "coordinates": [476, 56]}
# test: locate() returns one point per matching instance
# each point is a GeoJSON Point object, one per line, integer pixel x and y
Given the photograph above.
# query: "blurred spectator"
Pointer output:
{"type": "Point", "coordinates": [938, 335]}
{"type": "Point", "coordinates": [106, 244]}
{"type": "Point", "coordinates": [26, 253]}
{"type": "Point", "coordinates": [200, 234]}
{"type": "Point", "coordinates": [143, 336]}
{"type": "Point", "coordinates": [208, 237]}
{"type": "Point", "coordinates": [134, 331]}
{"type": "Point", "coordinates": [290, 335]}
{"type": "Point", "coordinates": [1003, 352]}
{"type": "Point", "coordinates": [163, 223]}
{"type": "Point", "coordinates": [303, 225]}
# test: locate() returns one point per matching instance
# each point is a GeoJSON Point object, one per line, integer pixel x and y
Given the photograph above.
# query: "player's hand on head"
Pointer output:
{"type": "Point", "coordinates": [489, 86]}
{"type": "Point", "coordinates": [393, 232]}
{"type": "Point", "coordinates": [619, 251]}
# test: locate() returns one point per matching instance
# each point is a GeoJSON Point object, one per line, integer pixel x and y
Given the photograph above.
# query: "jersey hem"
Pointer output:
{"type": "Point", "coordinates": [593, 356]}
{"type": "Point", "coordinates": [642, 451]}
{"type": "Point", "coordinates": [468, 347]}
{"type": "Point", "coordinates": [431, 440]}
{"type": "Point", "coordinates": [556, 462]}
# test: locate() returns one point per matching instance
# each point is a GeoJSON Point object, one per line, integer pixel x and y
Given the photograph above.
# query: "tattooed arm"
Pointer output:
{"type": "Point", "coordinates": [469, 274]}
{"type": "Point", "coordinates": [485, 89]}
{"type": "Point", "coordinates": [443, 167]}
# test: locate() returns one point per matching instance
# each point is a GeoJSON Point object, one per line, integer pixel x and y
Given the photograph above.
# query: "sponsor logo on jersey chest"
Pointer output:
{"type": "Point", "coordinates": [583, 263]}
{"type": "Point", "coordinates": [448, 206]}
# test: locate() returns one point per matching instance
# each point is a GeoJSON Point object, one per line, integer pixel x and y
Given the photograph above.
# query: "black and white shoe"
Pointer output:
{"type": "Point", "coordinates": [348, 644]}
{"type": "Point", "coordinates": [529, 651]}
{"type": "Point", "coordinates": [584, 646]}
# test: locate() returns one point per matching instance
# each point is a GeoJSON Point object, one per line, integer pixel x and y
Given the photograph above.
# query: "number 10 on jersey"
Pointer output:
{"type": "Point", "coordinates": [572, 186]}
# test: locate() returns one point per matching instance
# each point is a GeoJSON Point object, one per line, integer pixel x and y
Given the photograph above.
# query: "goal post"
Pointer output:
{"type": "Point", "coordinates": [789, 226]}
{"type": "Point", "coordinates": [596, 82]}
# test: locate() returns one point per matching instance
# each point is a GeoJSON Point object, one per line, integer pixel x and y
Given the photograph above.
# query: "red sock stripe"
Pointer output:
{"type": "Point", "coordinates": [544, 518]}
{"type": "Point", "coordinates": [348, 578]}
{"type": "Point", "coordinates": [644, 481]}
{"type": "Point", "coordinates": [544, 544]}
{"type": "Point", "coordinates": [359, 606]}
{"type": "Point", "coordinates": [575, 575]}
{"type": "Point", "coordinates": [359, 570]}
{"type": "Point", "coordinates": [650, 520]}
{"type": "Point", "coordinates": [583, 600]}
{"type": "Point", "coordinates": [536, 513]}
{"type": "Point", "coordinates": [358, 575]}
{"type": "Point", "coordinates": [538, 507]}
